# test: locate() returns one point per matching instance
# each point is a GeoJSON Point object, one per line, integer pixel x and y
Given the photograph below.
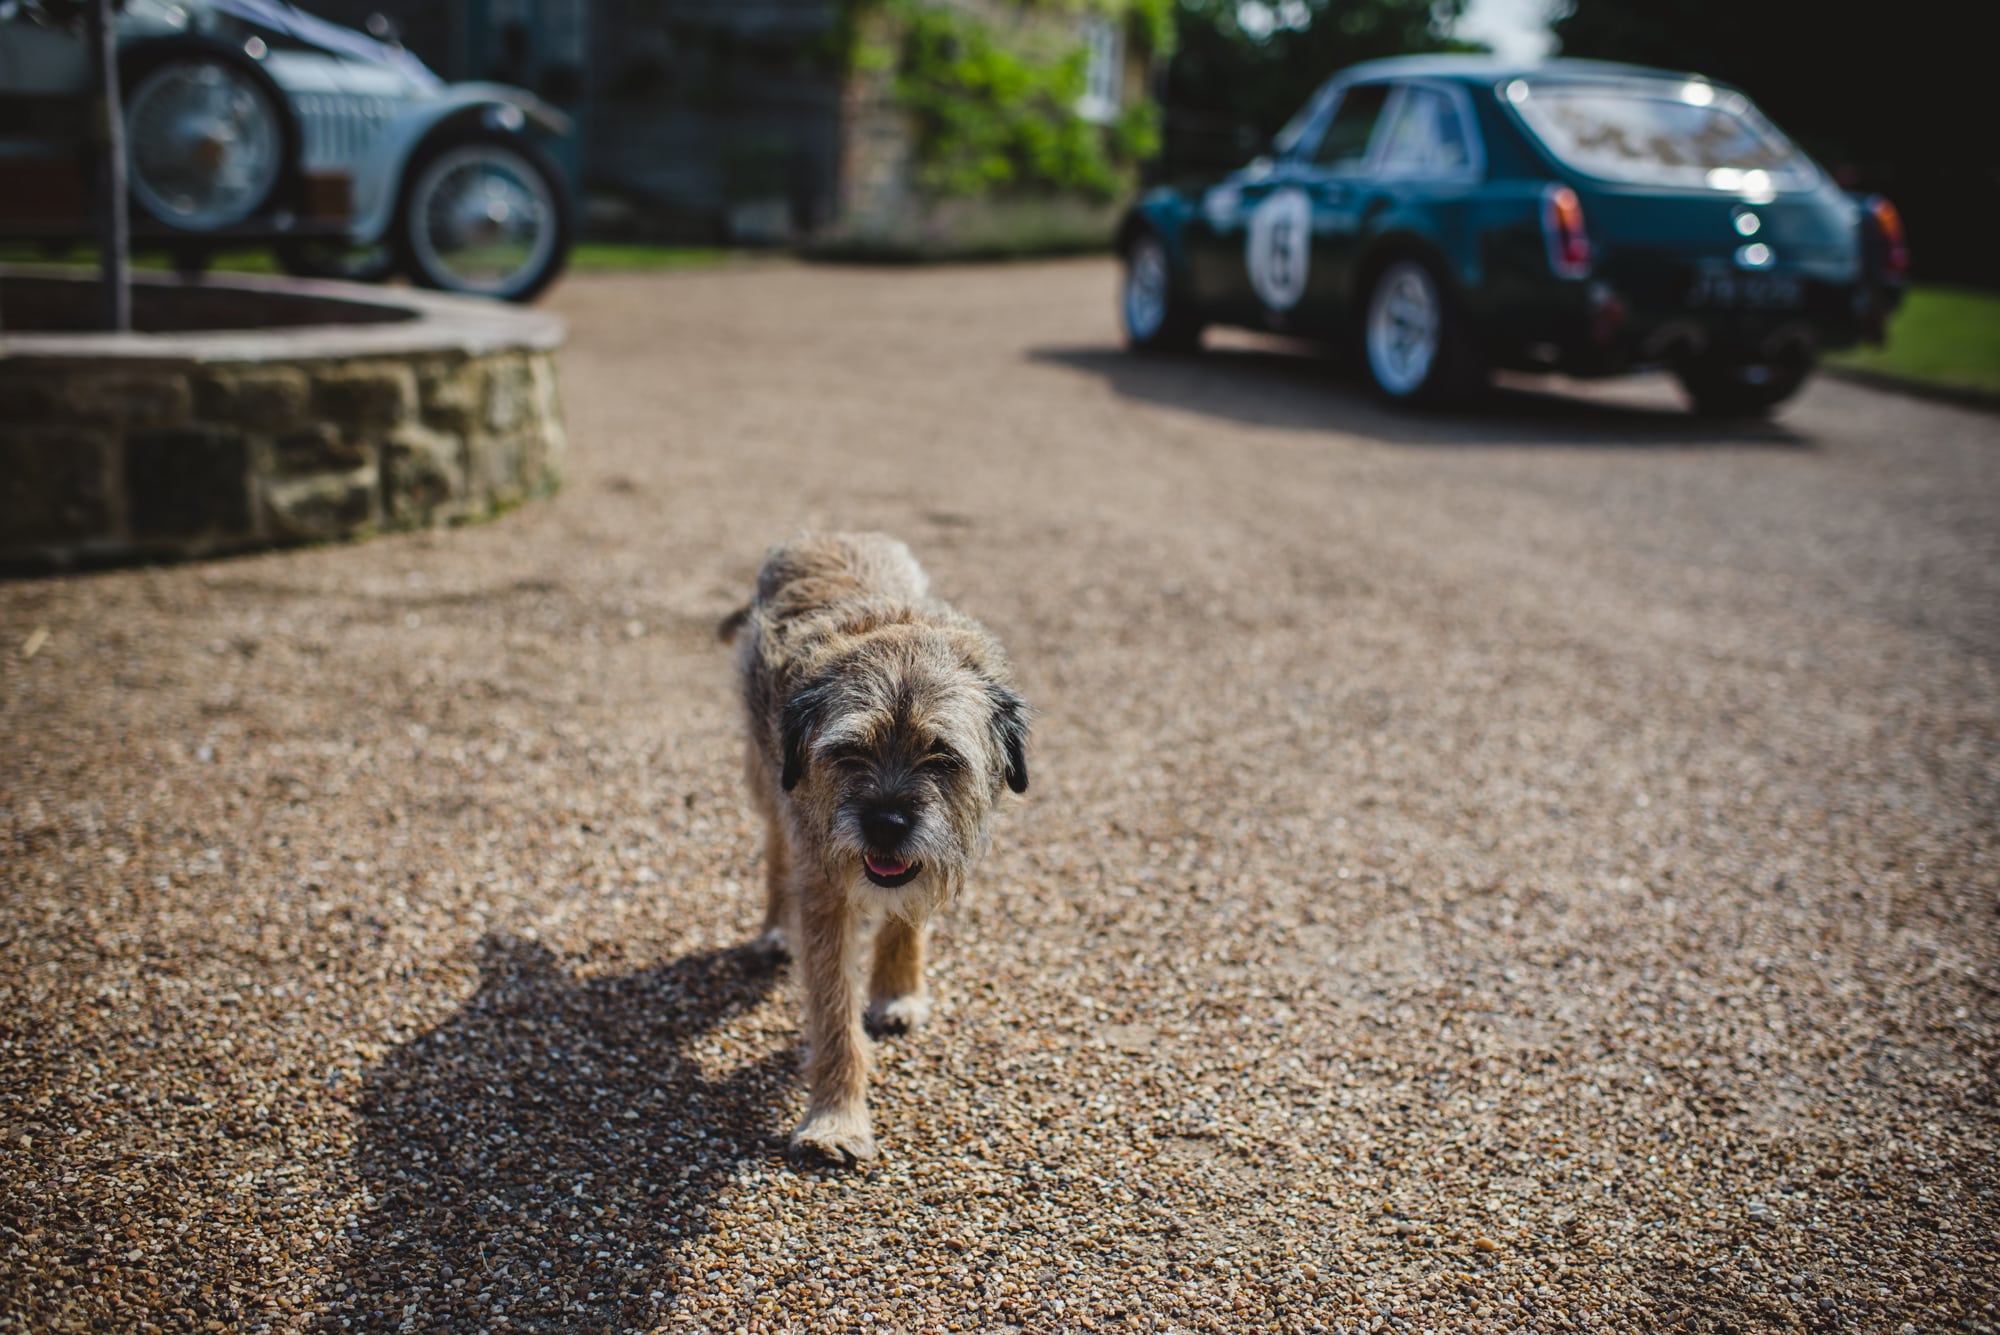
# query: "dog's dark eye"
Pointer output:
{"type": "Point", "coordinates": [942, 759]}
{"type": "Point", "coordinates": [848, 757]}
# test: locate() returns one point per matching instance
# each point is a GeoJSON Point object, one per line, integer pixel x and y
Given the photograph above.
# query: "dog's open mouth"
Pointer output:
{"type": "Point", "coordinates": [889, 872]}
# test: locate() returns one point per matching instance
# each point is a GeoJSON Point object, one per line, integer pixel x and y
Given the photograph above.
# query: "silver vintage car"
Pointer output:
{"type": "Point", "coordinates": [254, 121]}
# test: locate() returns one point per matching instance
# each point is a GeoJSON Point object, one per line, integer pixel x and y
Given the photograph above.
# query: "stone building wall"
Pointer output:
{"type": "Point", "coordinates": [883, 208]}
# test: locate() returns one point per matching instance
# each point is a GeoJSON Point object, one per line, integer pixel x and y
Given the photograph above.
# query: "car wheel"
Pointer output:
{"type": "Point", "coordinates": [332, 259]}
{"type": "Point", "coordinates": [1415, 341]}
{"type": "Point", "coordinates": [1154, 312]}
{"type": "Point", "coordinates": [208, 140]}
{"type": "Point", "coordinates": [483, 213]}
{"type": "Point", "coordinates": [1727, 387]}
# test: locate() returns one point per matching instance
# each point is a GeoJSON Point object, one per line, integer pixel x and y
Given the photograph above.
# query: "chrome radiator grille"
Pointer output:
{"type": "Point", "coordinates": [338, 129]}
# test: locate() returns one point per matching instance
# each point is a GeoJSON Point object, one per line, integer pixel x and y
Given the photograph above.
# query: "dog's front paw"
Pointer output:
{"type": "Point", "coordinates": [773, 945]}
{"type": "Point", "coordinates": [839, 1135]}
{"type": "Point", "coordinates": [899, 1015]}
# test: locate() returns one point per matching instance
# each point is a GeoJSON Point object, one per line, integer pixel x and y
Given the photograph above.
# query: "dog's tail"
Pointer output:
{"type": "Point", "coordinates": [726, 629]}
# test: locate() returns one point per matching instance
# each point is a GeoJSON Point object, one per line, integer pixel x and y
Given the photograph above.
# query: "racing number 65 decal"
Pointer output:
{"type": "Point", "coordinates": [1278, 249]}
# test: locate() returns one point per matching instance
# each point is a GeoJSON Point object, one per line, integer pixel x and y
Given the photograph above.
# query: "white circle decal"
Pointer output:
{"type": "Point", "coordinates": [1279, 247]}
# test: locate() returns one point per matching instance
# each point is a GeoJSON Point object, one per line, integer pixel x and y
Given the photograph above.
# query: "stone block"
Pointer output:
{"type": "Point", "coordinates": [510, 395]}
{"type": "Point", "coordinates": [547, 392]}
{"type": "Point", "coordinates": [544, 475]}
{"type": "Point", "coordinates": [320, 448]}
{"type": "Point", "coordinates": [56, 485]}
{"type": "Point", "coordinates": [454, 395]}
{"type": "Point", "coordinates": [366, 396]}
{"type": "Point", "coordinates": [188, 482]}
{"type": "Point", "coordinates": [423, 477]}
{"type": "Point", "coordinates": [136, 400]}
{"type": "Point", "coordinates": [551, 439]}
{"type": "Point", "coordinates": [268, 399]}
{"type": "Point", "coordinates": [31, 398]}
{"type": "Point", "coordinates": [330, 505]}
{"type": "Point", "coordinates": [495, 465]}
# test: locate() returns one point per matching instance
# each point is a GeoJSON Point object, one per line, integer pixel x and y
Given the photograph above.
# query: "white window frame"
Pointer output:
{"type": "Point", "coordinates": [1336, 93]}
{"type": "Point", "coordinates": [1103, 72]}
{"type": "Point", "coordinates": [1474, 166]}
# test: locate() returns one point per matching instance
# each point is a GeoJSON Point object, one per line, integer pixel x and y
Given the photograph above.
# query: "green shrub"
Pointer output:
{"type": "Point", "coordinates": [995, 108]}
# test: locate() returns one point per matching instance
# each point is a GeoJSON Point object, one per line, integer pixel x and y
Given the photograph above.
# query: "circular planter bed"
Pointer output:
{"type": "Point", "coordinates": [249, 412]}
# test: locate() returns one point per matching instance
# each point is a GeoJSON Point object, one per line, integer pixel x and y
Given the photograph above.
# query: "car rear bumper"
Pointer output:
{"type": "Point", "coordinates": [1604, 328]}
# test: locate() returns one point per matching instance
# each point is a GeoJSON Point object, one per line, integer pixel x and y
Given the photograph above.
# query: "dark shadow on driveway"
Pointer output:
{"type": "Point", "coordinates": [545, 1152]}
{"type": "Point", "coordinates": [1306, 387]}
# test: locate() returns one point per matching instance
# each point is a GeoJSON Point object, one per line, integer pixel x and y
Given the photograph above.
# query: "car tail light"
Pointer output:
{"type": "Point", "coordinates": [1562, 226]}
{"type": "Point", "coordinates": [1892, 248]}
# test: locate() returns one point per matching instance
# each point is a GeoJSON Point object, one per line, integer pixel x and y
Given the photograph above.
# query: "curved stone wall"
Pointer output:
{"type": "Point", "coordinates": [393, 410]}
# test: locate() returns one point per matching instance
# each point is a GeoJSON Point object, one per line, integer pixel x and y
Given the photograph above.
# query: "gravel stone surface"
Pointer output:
{"type": "Point", "coordinates": [1528, 871]}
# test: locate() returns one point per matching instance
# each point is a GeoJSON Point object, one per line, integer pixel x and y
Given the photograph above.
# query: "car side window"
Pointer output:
{"type": "Point", "coordinates": [1427, 137]}
{"type": "Point", "coordinates": [1299, 128]}
{"type": "Point", "coordinates": [1345, 143]}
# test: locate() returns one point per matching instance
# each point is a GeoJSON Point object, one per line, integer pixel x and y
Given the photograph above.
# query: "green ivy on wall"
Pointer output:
{"type": "Point", "coordinates": [995, 103]}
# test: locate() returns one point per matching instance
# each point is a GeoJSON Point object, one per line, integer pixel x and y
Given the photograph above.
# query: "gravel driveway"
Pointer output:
{"type": "Point", "coordinates": [1533, 871]}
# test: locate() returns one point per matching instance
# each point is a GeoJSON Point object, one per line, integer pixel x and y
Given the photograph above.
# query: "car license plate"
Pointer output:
{"type": "Point", "coordinates": [1727, 289]}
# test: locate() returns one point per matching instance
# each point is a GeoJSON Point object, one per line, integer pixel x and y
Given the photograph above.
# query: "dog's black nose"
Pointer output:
{"type": "Point", "coordinates": [885, 827]}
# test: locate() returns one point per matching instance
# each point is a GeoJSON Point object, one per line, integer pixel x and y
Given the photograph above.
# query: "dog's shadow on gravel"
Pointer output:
{"type": "Point", "coordinates": [545, 1152]}
{"type": "Point", "coordinates": [1309, 387]}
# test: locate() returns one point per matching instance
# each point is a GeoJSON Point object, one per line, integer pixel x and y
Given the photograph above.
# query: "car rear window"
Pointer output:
{"type": "Point", "coordinates": [1691, 134]}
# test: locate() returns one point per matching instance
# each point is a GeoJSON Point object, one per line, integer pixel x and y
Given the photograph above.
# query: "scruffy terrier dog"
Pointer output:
{"type": "Point", "coordinates": [882, 727]}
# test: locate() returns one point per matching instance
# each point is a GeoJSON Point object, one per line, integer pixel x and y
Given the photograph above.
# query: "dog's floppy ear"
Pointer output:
{"type": "Point", "coordinates": [1010, 730]}
{"type": "Point", "coordinates": [798, 718]}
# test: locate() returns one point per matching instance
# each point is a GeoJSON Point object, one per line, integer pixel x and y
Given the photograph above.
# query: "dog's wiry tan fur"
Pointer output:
{"type": "Point", "coordinates": [883, 726]}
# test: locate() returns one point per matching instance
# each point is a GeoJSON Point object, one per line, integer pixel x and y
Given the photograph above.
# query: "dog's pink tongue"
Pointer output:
{"type": "Point", "coordinates": [885, 866]}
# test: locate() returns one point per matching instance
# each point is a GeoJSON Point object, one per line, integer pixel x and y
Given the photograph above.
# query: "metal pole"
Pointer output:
{"type": "Point", "coordinates": [114, 233]}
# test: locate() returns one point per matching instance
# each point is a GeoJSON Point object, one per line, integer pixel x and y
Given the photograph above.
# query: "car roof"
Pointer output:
{"type": "Point", "coordinates": [1494, 69]}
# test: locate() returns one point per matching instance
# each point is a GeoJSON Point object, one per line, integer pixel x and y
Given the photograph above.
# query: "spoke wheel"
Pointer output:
{"type": "Point", "coordinates": [1146, 290]}
{"type": "Point", "coordinates": [485, 215]}
{"type": "Point", "coordinates": [1154, 314]}
{"type": "Point", "coordinates": [1416, 343]}
{"type": "Point", "coordinates": [1405, 318]}
{"type": "Point", "coordinates": [205, 142]}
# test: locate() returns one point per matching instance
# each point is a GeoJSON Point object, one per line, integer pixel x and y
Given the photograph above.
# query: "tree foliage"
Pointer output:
{"type": "Point", "coordinates": [991, 114]}
{"type": "Point", "coordinates": [995, 104]}
{"type": "Point", "coordinates": [1239, 71]}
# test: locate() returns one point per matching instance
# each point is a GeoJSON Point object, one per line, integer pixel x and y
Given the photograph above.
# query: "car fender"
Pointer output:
{"type": "Point", "coordinates": [1165, 213]}
{"type": "Point", "coordinates": [1396, 234]}
{"type": "Point", "coordinates": [1162, 212]}
{"type": "Point", "coordinates": [378, 181]}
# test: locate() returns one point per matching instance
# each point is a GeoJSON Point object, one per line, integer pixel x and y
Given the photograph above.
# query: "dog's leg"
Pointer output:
{"type": "Point", "coordinates": [777, 883]}
{"type": "Point", "coordinates": [897, 998]}
{"type": "Point", "coordinates": [777, 857]}
{"type": "Point", "coordinates": [836, 1121]}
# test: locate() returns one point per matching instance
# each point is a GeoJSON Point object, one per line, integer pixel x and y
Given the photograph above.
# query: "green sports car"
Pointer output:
{"type": "Point", "coordinates": [1454, 214]}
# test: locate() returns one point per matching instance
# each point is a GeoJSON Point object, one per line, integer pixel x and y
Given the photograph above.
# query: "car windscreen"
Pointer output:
{"type": "Point", "coordinates": [1301, 121]}
{"type": "Point", "coordinates": [1686, 134]}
